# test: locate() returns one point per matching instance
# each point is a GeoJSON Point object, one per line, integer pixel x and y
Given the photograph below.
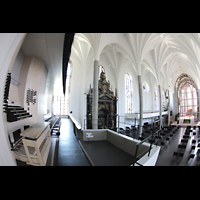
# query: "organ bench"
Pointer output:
{"type": "Point", "coordinates": [36, 144]}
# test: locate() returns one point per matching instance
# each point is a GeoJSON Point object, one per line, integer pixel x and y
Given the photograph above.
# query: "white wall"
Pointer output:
{"type": "Point", "coordinates": [48, 104]}
{"type": "Point", "coordinates": [147, 95]}
{"type": "Point", "coordinates": [77, 93]}
{"type": "Point", "coordinates": [17, 66]}
{"type": "Point", "coordinates": [33, 75]}
{"type": "Point", "coordinates": [82, 78]}
{"type": "Point", "coordinates": [36, 80]}
{"type": "Point", "coordinates": [9, 48]}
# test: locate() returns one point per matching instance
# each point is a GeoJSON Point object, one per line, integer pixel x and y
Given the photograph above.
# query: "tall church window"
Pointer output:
{"type": "Point", "coordinates": [188, 101]}
{"type": "Point", "coordinates": [155, 98]}
{"type": "Point", "coordinates": [128, 93]}
{"type": "Point", "coordinates": [61, 102]}
{"type": "Point", "coordinates": [68, 86]}
{"type": "Point", "coordinates": [187, 97]}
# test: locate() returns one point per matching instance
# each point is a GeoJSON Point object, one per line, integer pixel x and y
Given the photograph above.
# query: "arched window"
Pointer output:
{"type": "Point", "coordinates": [188, 100]}
{"type": "Point", "coordinates": [128, 93]}
{"type": "Point", "coordinates": [144, 87]}
{"type": "Point", "coordinates": [187, 97]}
{"type": "Point", "coordinates": [61, 102]}
{"type": "Point", "coordinates": [68, 87]}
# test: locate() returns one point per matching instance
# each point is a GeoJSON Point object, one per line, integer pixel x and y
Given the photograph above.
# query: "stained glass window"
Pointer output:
{"type": "Point", "coordinates": [128, 93]}
{"type": "Point", "coordinates": [144, 86]}
{"type": "Point", "coordinates": [155, 98]}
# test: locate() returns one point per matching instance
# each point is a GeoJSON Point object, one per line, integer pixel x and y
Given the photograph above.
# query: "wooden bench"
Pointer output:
{"type": "Point", "coordinates": [55, 125]}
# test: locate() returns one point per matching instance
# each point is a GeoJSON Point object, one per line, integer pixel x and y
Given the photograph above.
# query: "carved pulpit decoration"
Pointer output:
{"type": "Point", "coordinates": [106, 105]}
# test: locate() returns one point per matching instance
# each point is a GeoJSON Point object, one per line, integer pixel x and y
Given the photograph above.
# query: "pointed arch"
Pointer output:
{"type": "Point", "coordinates": [187, 97]}
{"type": "Point", "coordinates": [128, 93]}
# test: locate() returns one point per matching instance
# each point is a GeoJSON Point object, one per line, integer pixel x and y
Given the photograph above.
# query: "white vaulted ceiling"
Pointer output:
{"type": "Point", "coordinates": [49, 48]}
{"type": "Point", "coordinates": [165, 55]}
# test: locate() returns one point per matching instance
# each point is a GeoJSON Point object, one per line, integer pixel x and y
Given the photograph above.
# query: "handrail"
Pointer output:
{"type": "Point", "coordinates": [75, 122]}
{"type": "Point", "coordinates": [16, 82]}
{"type": "Point", "coordinates": [145, 151]}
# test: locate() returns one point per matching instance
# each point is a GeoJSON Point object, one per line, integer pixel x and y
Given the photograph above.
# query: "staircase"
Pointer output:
{"type": "Point", "coordinates": [14, 112]}
{"type": "Point", "coordinates": [7, 88]}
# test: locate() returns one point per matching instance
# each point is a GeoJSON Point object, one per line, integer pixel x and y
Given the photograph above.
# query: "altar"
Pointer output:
{"type": "Point", "coordinates": [107, 104]}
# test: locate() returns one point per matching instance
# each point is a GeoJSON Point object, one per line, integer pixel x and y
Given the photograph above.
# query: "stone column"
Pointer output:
{"type": "Point", "coordinates": [141, 104]}
{"type": "Point", "coordinates": [95, 96]}
{"type": "Point", "coordinates": [198, 96]}
{"type": "Point", "coordinates": [160, 105]}
{"type": "Point", "coordinates": [168, 108]}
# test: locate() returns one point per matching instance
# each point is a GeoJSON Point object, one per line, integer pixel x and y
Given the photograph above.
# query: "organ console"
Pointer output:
{"type": "Point", "coordinates": [35, 145]}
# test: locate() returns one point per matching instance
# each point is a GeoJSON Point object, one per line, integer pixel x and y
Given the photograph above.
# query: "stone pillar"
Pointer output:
{"type": "Point", "coordinates": [198, 96]}
{"type": "Point", "coordinates": [141, 104]}
{"type": "Point", "coordinates": [160, 105]}
{"type": "Point", "coordinates": [175, 109]}
{"type": "Point", "coordinates": [168, 108]}
{"type": "Point", "coordinates": [95, 96]}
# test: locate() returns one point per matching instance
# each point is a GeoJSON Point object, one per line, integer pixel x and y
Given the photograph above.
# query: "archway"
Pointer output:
{"type": "Point", "coordinates": [187, 99]}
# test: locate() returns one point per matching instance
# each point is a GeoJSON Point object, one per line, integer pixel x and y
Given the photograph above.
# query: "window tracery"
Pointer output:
{"type": "Point", "coordinates": [128, 93]}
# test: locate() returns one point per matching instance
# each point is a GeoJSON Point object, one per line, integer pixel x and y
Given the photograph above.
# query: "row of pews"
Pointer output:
{"type": "Point", "coordinates": [55, 123]}
{"type": "Point", "coordinates": [133, 131]}
{"type": "Point", "coordinates": [189, 148]}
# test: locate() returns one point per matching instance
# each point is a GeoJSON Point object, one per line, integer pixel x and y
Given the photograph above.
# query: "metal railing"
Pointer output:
{"type": "Point", "coordinates": [14, 82]}
{"type": "Point", "coordinates": [136, 158]}
{"type": "Point", "coordinates": [123, 121]}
